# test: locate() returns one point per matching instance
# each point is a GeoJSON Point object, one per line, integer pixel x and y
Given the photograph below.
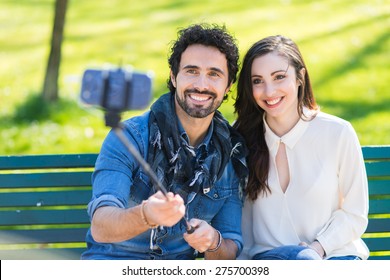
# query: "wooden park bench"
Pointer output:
{"type": "Point", "coordinates": [43, 202]}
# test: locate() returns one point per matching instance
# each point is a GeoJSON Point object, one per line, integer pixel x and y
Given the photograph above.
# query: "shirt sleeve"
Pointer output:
{"type": "Point", "coordinates": [228, 218]}
{"type": "Point", "coordinates": [113, 175]}
{"type": "Point", "coordinates": [350, 220]}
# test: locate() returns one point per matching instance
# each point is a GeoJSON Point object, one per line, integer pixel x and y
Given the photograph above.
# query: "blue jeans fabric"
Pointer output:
{"type": "Point", "coordinates": [119, 181]}
{"type": "Point", "coordinates": [295, 252]}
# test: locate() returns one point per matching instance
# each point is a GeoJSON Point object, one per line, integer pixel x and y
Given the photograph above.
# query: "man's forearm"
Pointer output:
{"type": "Point", "coordinates": [112, 224]}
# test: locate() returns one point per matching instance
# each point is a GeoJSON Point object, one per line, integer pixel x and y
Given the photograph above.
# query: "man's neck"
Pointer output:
{"type": "Point", "coordinates": [196, 128]}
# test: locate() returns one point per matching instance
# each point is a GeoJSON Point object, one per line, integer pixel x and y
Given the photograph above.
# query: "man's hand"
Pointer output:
{"type": "Point", "coordinates": [203, 238]}
{"type": "Point", "coordinates": [207, 239]}
{"type": "Point", "coordinates": [164, 210]}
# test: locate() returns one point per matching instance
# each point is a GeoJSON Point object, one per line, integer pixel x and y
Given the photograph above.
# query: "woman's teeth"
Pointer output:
{"type": "Point", "coordinates": [273, 101]}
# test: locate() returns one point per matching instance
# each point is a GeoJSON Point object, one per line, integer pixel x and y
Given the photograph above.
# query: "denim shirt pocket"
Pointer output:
{"type": "Point", "coordinates": [219, 191]}
{"type": "Point", "coordinates": [141, 189]}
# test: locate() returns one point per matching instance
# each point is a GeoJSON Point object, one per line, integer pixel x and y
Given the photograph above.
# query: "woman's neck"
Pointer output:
{"type": "Point", "coordinates": [282, 125]}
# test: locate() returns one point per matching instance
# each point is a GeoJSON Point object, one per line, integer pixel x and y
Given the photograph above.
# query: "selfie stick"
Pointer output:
{"type": "Point", "coordinates": [113, 120]}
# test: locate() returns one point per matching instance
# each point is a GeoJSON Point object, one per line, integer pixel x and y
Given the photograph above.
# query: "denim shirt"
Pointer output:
{"type": "Point", "coordinates": [119, 181]}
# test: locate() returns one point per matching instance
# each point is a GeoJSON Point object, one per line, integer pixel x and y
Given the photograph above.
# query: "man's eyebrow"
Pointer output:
{"type": "Point", "coordinates": [191, 67]}
{"type": "Point", "coordinates": [216, 69]}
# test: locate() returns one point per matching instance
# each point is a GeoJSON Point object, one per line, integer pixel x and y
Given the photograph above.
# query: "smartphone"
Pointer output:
{"type": "Point", "coordinates": [116, 89]}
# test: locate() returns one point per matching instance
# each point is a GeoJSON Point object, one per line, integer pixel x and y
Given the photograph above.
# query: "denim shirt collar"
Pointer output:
{"type": "Point", "coordinates": [206, 139]}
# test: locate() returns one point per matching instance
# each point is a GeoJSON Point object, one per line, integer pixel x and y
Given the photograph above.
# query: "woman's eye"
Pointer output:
{"type": "Point", "coordinates": [280, 77]}
{"type": "Point", "coordinates": [256, 81]}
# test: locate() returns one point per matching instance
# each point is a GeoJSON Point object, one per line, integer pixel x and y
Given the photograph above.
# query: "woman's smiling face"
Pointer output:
{"type": "Point", "coordinates": [275, 86]}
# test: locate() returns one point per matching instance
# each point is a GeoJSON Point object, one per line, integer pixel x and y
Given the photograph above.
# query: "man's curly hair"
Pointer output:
{"type": "Point", "coordinates": [207, 35]}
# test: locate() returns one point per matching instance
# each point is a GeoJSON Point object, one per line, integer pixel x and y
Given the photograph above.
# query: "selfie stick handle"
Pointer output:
{"type": "Point", "coordinates": [113, 120]}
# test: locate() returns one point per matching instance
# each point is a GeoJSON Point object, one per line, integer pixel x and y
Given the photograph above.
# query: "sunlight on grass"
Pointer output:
{"type": "Point", "coordinates": [345, 45]}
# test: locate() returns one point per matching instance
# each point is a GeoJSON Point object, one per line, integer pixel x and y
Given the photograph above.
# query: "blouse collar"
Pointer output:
{"type": "Point", "coordinates": [291, 137]}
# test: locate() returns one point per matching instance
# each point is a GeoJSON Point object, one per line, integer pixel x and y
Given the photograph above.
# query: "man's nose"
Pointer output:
{"type": "Point", "coordinates": [201, 83]}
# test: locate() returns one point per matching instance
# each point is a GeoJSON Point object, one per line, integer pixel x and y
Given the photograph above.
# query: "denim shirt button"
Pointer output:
{"type": "Point", "coordinates": [215, 195]}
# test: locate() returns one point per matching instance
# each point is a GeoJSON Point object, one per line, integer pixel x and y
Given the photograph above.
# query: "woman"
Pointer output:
{"type": "Point", "coordinates": [307, 195]}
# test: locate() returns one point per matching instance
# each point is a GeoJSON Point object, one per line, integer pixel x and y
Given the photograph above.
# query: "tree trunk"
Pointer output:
{"type": "Point", "coordinates": [50, 86]}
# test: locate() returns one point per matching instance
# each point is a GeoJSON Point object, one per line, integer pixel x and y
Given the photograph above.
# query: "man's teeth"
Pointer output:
{"type": "Point", "coordinates": [199, 98]}
{"type": "Point", "coordinates": [273, 101]}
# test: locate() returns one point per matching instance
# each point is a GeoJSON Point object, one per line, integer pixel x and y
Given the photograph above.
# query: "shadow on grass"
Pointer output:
{"type": "Point", "coordinates": [35, 108]}
{"type": "Point", "coordinates": [357, 60]}
{"type": "Point", "coordinates": [355, 109]}
{"type": "Point", "coordinates": [344, 28]}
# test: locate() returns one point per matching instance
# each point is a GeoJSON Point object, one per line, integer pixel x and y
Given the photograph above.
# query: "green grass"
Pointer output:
{"type": "Point", "coordinates": [345, 44]}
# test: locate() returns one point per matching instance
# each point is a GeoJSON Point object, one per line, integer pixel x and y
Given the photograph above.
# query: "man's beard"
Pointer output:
{"type": "Point", "coordinates": [198, 111]}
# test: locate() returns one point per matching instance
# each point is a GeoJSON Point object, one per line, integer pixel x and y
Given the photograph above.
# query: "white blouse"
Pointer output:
{"type": "Point", "coordinates": [327, 196]}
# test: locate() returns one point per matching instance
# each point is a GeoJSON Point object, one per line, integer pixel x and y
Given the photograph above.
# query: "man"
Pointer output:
{"type": "Point", "coordinates": [194, 152]}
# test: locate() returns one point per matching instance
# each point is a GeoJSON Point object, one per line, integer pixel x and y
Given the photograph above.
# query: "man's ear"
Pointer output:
{"type": "Point", "coordinates": [228, 88]}
{"type": "Point", "coordinates": [173, 80]}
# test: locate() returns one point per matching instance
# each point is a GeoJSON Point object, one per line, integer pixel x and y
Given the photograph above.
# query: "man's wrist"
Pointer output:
{"type": "Point", "coordinates": [219, 242]}
{"type": "Point", "coordinates": [143, 217]}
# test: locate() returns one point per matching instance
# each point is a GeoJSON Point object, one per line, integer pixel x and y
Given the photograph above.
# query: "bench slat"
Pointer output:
{"type": "Point", "coordinates": [47, 161]}
{"type": "Point", "coordinates": [47, 198]}
{"type": "Point", "coordinates": [42, 254]}
{"type": "Point", "coordinates": [55, 179]}
{"type": "Point", "coordinates": [378, 187]}
{"type": "Point", "coordinates": [381, 206]}
{"type": "Point", "coordinates": [378, 244]}
{"type": "Point", "coordinates": [378, 225]}
{"type": "Point", "coordinates": [44, 217]}
{"type": "Point", "coordinates": [376, 152]}
{"type": "Point", "coordinates": [378, 169]}
{"type": "Point", "coordinates": [376, 258]}
{"type": "Point", "coordinates": [57, 235]}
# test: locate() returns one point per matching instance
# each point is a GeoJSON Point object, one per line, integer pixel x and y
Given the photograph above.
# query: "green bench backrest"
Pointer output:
{"type": "Point", "coordinates": [377, 236]}
{"type": "Point", "coordinates": [43, 202]}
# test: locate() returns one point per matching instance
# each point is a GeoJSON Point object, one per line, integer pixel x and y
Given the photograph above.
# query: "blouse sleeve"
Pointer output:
{"type": "Point", "coordinates": [247, 230]}
{"type": "Point", "coordinates": [348, 222]}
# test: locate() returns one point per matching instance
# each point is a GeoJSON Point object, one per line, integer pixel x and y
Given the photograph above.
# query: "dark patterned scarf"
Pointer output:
{"type": "Point", "coordinates": [176, 164]}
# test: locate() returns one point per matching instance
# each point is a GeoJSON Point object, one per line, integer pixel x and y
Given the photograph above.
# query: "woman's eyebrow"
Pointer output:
{"type": "Point", "coordinates": [285, 71]}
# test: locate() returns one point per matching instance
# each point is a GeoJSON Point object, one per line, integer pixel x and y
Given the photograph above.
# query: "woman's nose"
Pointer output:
{"type": "Point", "coordinates": [269, 89]}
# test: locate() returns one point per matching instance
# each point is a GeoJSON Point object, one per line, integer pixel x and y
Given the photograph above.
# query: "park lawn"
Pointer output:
{"type": "Point", "coordinates": [345, 45]}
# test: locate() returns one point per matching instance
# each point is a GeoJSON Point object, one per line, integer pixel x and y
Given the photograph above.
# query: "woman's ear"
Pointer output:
{"type": "Point", "coordinates": [302, 72]}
